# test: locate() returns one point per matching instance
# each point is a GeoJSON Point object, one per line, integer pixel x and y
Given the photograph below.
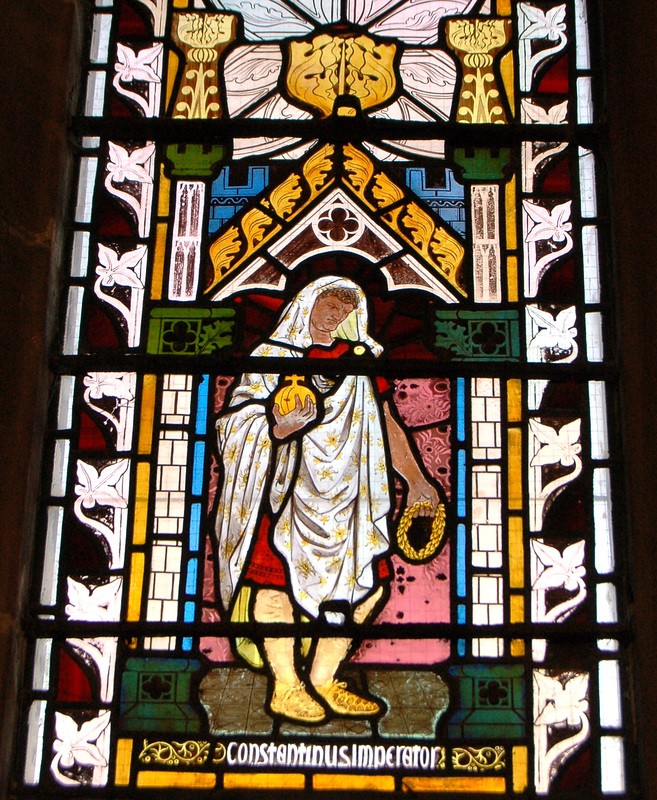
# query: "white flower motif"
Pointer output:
{"type": "Point", "coordinates": [75, 745]}
{"type": "Point", "coordinates": [124, 166]}
{"type": "Point", "coordinates": [552, 224]}
{"type": "Point", "coordinates": [100, 489]}
{"type": "Point", "coordinates": [106, 384]}
{"type": "Point", "coordinates": [94, 604]}
{"type": "Point", "coordinates": [558, 446]}
{"type": "Point", "coordinates": [566, 704]}
{"type": "Point", "coordinates": [557, 115]}
{"type": "Point", "coordinates": [565, 569]}
{"type": "Point", "coordinates": [557, 334]}
{"type": "Point", "coordinates": [120, 270]}
{"type": "Point", "coordinates": [544, 25]}
{"type": "Point", "coordinates": [132, 66]}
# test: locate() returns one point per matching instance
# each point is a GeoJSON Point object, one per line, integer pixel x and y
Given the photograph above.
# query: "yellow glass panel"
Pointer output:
{"type": "Point", "coordinates": [136, 585]}
{"type": "Point", "coordinates": [517, 608]}
{"type": "Point", "coordinates": [514, 400]}
{"type": "Point", "coordinates": [123, 761]}
{"type": "Point", "coordinates": [172, 71]}
{"type": "Point", "coordinates": [165, 194]}
{"type": "Point", "coordinates": [375, 783]}
{"type": "Point", "coordinates": [517, 648]}
{"type": "Point", "coordinates": [147, 414]}
{"type": "Point", "coordinates": [236, 780]}
{"type": "Point", "coordinates": [506, 68]}
{"type": "Point", "coordinates": [141, 502]}
{"type": "Point", "coordinates": [504, 8]}
{"type": "Point", "coordinates": [180, 3]}
{"type": "Point", "coordinates": [515, 468]}
{"type": "Point", "coordinates": [519, 768]}
{"type": "Point", "coordinates": [516, 554]}
{"type": "Point", "coordinates": [510, 204]}
{"type": "Point", "coordinates": [176, 780]}
{"type": "Point", "coordinates": [158, 261]}
{"type": "Point", "coordinates": [512, 278]}
{"type": "Point", "coordinates": [488, 785]}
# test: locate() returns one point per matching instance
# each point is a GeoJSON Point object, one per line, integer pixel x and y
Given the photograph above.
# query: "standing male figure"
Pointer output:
{"type": "Point", "coordinates": [302, 515]}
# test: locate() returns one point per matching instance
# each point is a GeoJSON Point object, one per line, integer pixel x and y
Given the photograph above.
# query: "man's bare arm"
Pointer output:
{"type": "Point", "coordinates": [405, 463]}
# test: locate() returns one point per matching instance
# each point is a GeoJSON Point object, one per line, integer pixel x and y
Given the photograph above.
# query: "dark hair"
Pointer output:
{"type": "Point", "coordinates": [348, 296]}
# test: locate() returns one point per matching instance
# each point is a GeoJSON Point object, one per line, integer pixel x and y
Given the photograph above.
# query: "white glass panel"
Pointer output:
{"type": "Point", "coordinates": [51, 556]}
{"type": "Point", "coordinates": [611, 715]}
{"type": "Point", "coordinates": [594, 346]}
{"type": "Point", "coordinates": [606, 603]}
{"type": "Point", "coordinates": [100, 38]}
{"type": "Point", "coordinates": [73, 317]}
{"type": "Point", "coordinates": [598, 413]}
{"type": "Point", "coordinates": [41, 676]}
{"type": "Point", "coordinates": [86, 183]}
{"type": "Point", "coordinates": [584, 101]}
{"type": "Point", "coordinates": [487, 648]}
{"type": "Point", "coordinates": [612, 764]}
{"type": "Point", "coordinates": [104, 3]}
{"type": "Point", "coordinates": [604, 545]}
{"type": "Point", "coordinates": [588, 199]}
{"type": "Point", "coordinates": [583, 58]}
{"type": "Point", "coordinates": [80, 254]}
{"type": "Point", "coordinates": [591, 256]}
{"type": "Point", "coordinates": [60, 468]}
{"type": "Point", "coordinates": [36, 720]}
{"type": "Point", "coordinates": [608, 645]}
{"type": "Point", "coordinates": [65, 409]}
{"type": "Point", "coordinates": [91, 142]}
{"type": "Point", "coordinates": [535, 391]}
{"type": "Point", "coordinates": [95, 99]}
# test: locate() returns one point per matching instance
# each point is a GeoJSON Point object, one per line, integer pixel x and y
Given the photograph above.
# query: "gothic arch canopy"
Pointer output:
{"type": "Point", "coordinates": [338, 200]}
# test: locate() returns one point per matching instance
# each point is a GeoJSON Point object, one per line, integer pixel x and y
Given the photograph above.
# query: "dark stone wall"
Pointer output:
{"type": "Point", "coordinates": [38, 39]}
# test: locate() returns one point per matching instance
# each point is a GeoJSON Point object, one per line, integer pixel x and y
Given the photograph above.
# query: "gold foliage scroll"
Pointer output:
{"type": "Point", "coordinates": [327, 67]}
{"type": "Point", "coordinates": [416, 226]}
{"type": "Point", "coordinates": [255, 227]}
{"type": "Point", "coordinates": [175, 753]}
{"type": "Point", "coordinates": [376, 191]}
{"type": "Point", "coordinates": [202, 38]}
{"type": "Point", "coordinates": [477, 43]}
{"type": "Point", "coordinates": [435, 244]}
{"type": "Point", "coordinates": [479, 759]}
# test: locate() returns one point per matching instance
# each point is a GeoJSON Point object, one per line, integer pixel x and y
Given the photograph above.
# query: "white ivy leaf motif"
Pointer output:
{"type": "Point", "coordinates": [552, 224]}
{"type": "Point", "coordinates": [565, 569]}
{"type": "Point", "coordinates": [556, 115]}
{"type": "Point", "coordinates": [133, 66]}
{"type": "Point", "coordinates": [96, 488]}
{"type": "Point", "coordinates": [558, 447]}
{"type": "Point", "coordinates": [550, 25]}
{"type": "Point", "coordinates": [96, 604]}
{"type": "Point", "coordinates": [556, 332]}
{"type": "Point", "coordinates": [124, 166]}
{"type": "Point", "coordinates": [75, 745]}
{"type": "Point", "coordinates": [113, 269]}
{"type": "Point", "coordinates": [105, 384]}
{"type": "Point", "coordinates": [566, 704]}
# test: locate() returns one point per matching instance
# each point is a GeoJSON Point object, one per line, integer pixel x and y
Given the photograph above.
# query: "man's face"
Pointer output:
{"type": "Point", "coordinates": [328, 312]}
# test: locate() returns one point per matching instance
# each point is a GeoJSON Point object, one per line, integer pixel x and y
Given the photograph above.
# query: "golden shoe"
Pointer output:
{"type": "Point", "coordinates": [295, 703]}
{"type": "Point", "coordinates": [346, 703]}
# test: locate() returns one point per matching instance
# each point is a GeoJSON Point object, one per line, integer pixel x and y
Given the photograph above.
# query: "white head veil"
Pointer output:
{"type": "Point", "coordinates": [293, 327]}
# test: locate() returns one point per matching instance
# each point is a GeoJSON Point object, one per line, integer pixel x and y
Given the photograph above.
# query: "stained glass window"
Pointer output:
{"type": "Point", "coordinates": [396, 571]}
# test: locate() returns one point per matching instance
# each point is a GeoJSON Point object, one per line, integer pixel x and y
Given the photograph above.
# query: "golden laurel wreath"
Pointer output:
{"type": "Point", "coordinates": [437, 531]}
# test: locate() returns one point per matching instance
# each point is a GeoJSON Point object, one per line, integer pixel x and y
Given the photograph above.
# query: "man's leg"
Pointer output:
{"type": "Point", "coordinates": [290, 698]}
{"type": "Point", "coordinates": [329, 654]}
